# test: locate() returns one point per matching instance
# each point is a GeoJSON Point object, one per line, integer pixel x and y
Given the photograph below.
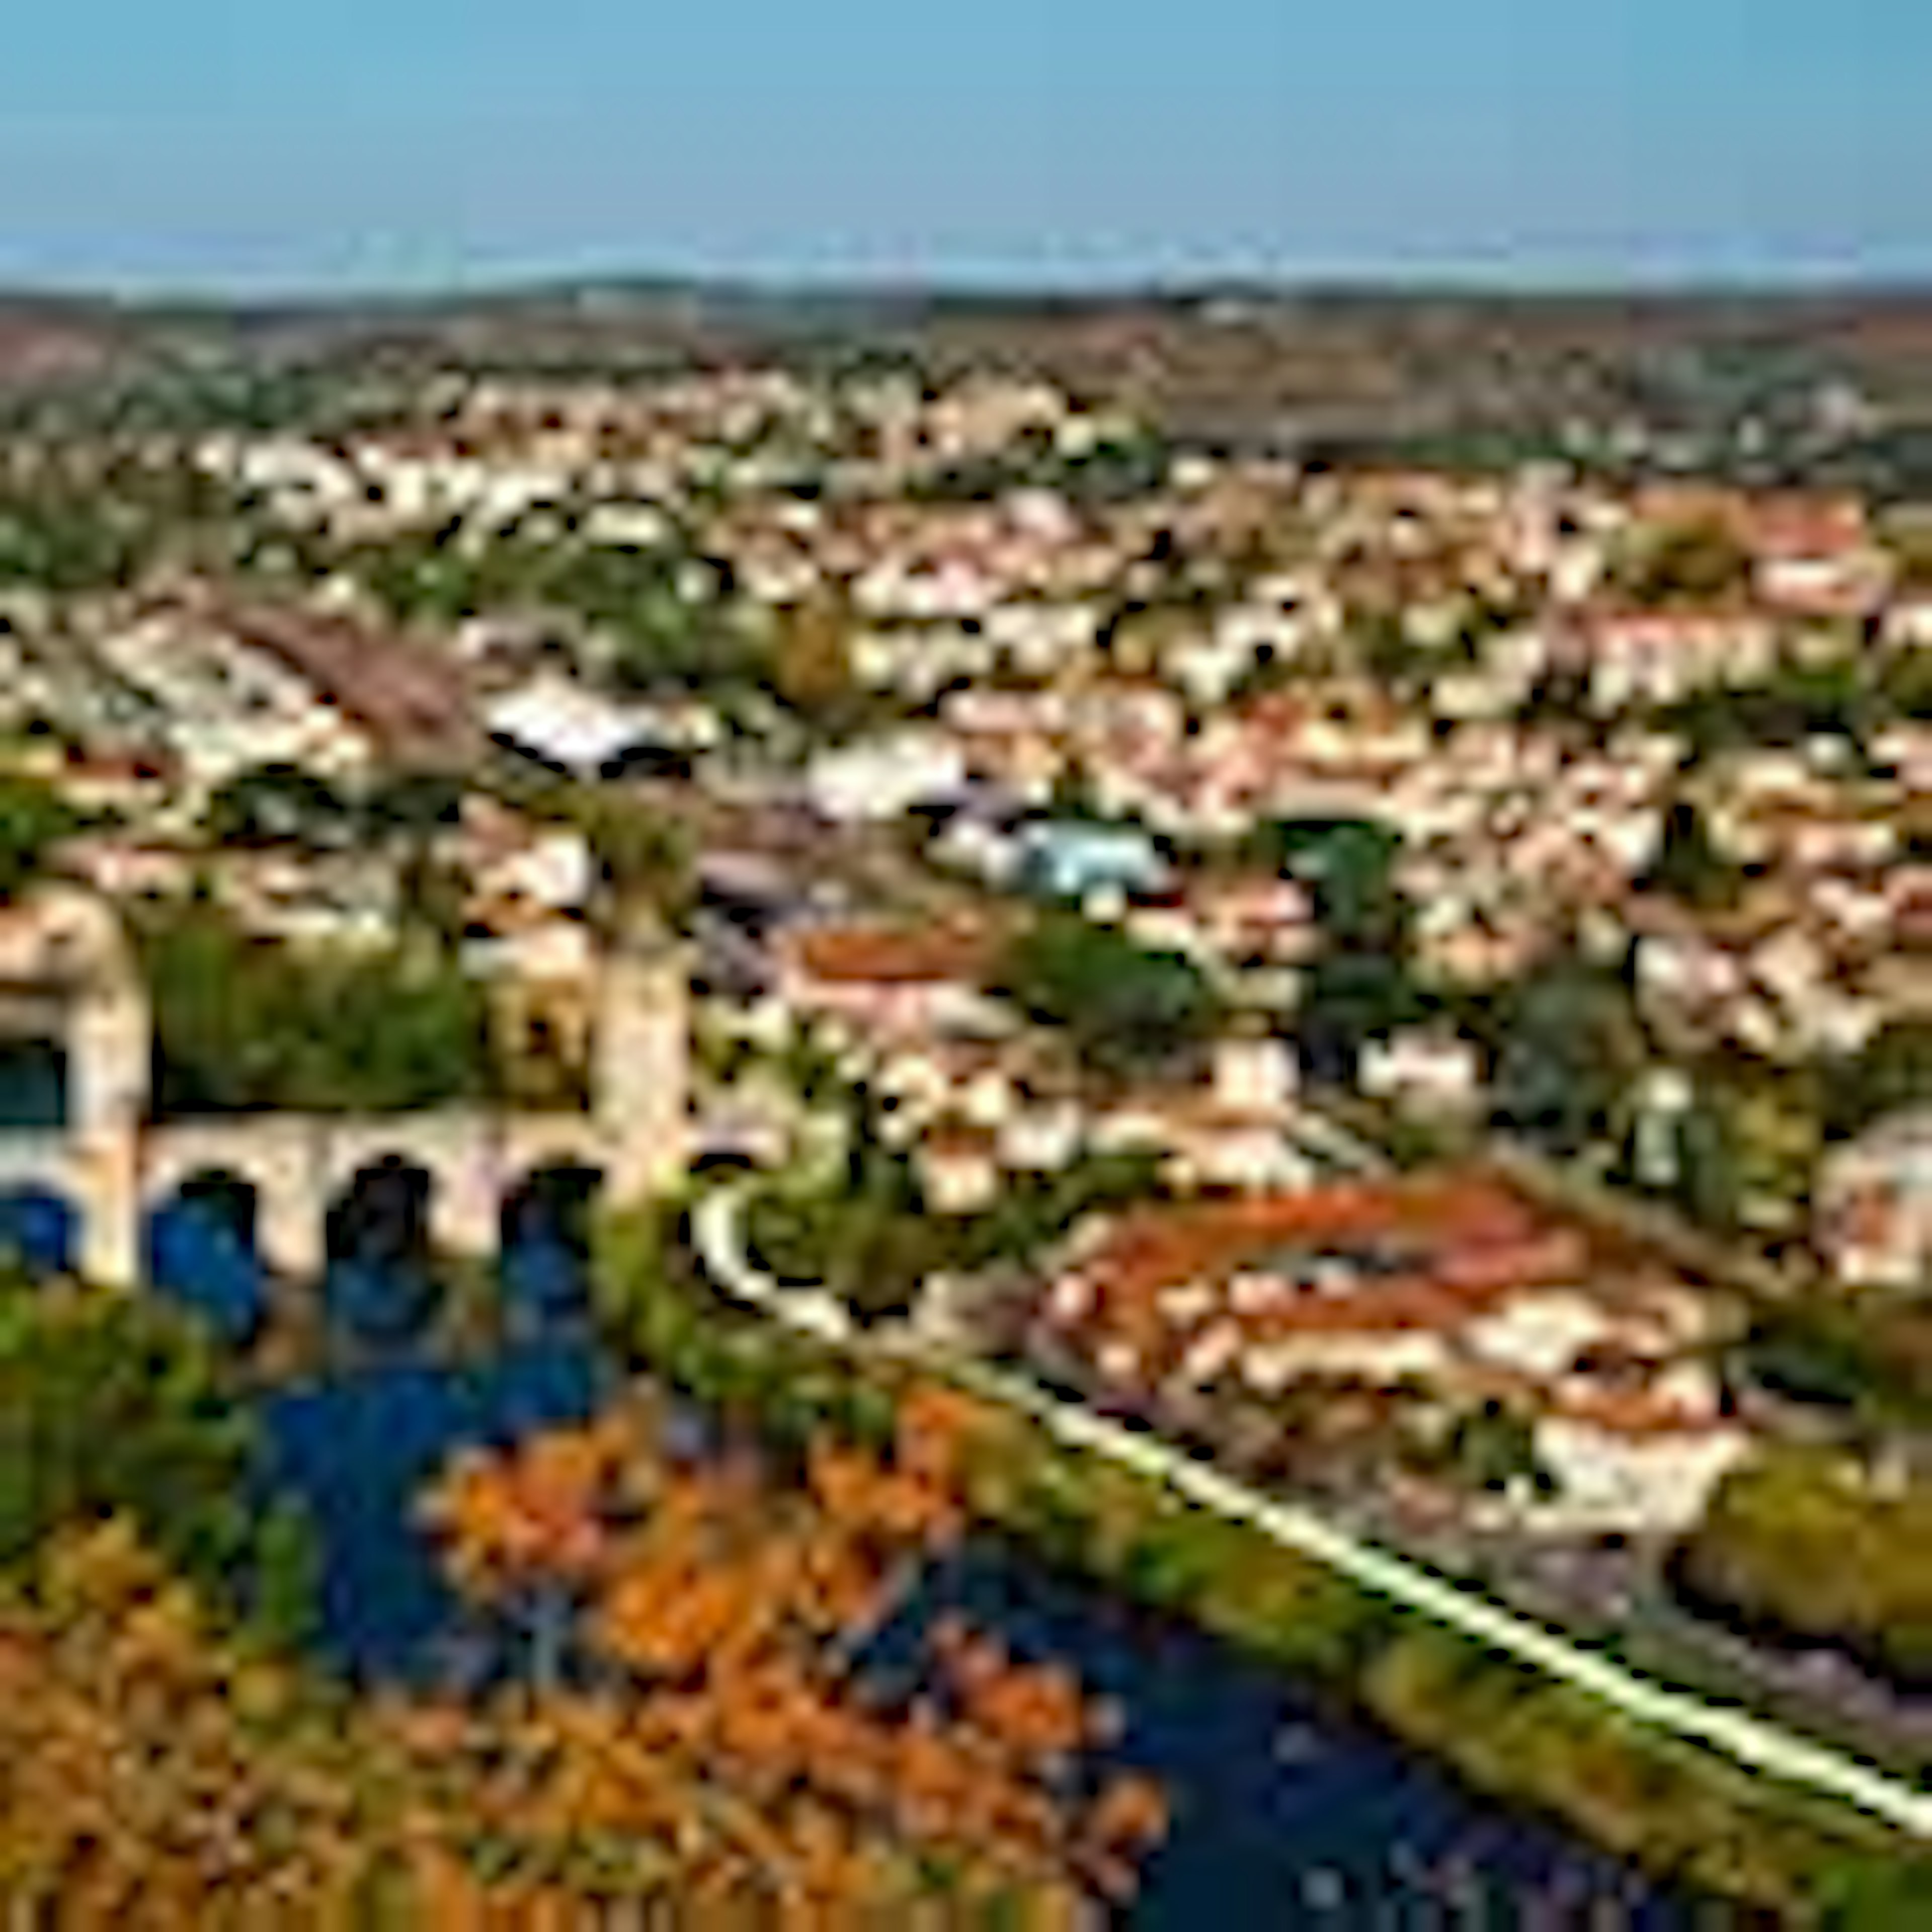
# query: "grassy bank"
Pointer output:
{"type": "Point", "coordinates": [1686, 1816]}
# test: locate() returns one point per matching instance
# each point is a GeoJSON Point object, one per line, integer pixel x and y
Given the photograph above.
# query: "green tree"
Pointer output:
{"type": "Point", "coordinates": [241, 1023]}
{"type": "Point", "coordinates": [33, 818]}
{"type": "Point", "coordinates": [116, 1404]}
{"type": "Point", "coordinates": [812, 667]}
{"type": "Point", "coordinates": [1493, 1447]}
{"type": "Point", "coordinates": [1349, 866]}
{"type": "Point", "coordinates": [1750, 1152]}
{"type": "Point", "coordinates": [1033, 1214]}
{"type": "Point", "coordinates": [1129, 1010]}
{"type": "Point", "coordinates": [1869, 1894]}
{"type": "Point", "coordinates": [1892, 1073]}
{"type": "Point", "coordinates": [1872, 1357]}
{"type": "Point", "coordinates": [648, 859]}
{"type": "Point", "coordinates": [1359, 987]}
{"type": "Point", "coordinates": [1803, 1541]}
{"type": "Point", "coordinates": [1571, 1047]}
{"type": "Point", "coordinates": [1349, 998]}
{"type": "Point", "coordinates": [1793, 704]}
{"type": "Point", "coordinates": [412, 804]}
{"type": "Point", "coordinates": [1696, 563]}
{"type": "Point", "coordinates": [1711, 1181]}
{"type": "Point", "coordinates": [1390, 653]}
{"type": "Point", "coordinates": [1906, 682]}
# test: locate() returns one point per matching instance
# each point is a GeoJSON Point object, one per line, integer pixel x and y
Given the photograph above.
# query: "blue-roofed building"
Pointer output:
{"type": "Point", "coordinates": [1068, 858]}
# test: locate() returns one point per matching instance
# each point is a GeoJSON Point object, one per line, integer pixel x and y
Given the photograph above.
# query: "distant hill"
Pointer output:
{"type": "Point", "coordinates": [47, 339]}
{"type": "Point", "coordinates": [1230, 362]}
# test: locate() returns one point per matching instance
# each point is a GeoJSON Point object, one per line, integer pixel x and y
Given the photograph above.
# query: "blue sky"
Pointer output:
{"type": "Point", "coordinates": [213, 143]}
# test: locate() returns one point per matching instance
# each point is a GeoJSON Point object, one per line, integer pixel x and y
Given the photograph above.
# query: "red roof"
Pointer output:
{"type": "Point", "coordinates": [1462, 1243]}
{"type": "Point", "coordinates": [883, 955]}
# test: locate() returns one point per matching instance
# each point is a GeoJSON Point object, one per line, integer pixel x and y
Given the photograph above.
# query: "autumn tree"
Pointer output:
{"type": "Point", "coordinates": [719, 1603]}
{"type": "Point", "coordinates": [812, 669]}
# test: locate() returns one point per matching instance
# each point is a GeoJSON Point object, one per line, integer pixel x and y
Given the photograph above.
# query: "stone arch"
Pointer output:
{"type": "Point", "coordinates": [201, 1248]}
{"type": "Point", "coordinates": [382, 1214]}
{"type": "Point", "coordinates": [228, 1200]}
{"type": "Point", "coordinates": [271, 1155]}
{"type": "Point", "coordinates": [545, 1243]}
{"type": "Point", "coordinates": [41, 1228]}
{"type": "Point", "coordinates": [459, 1152]}
{"type": "Point", "coordinates": [379, 1287]}
{"type": "Point", "coordinates": [67, 977]}
{"type": "Point", "coordinates": [552, 1201]}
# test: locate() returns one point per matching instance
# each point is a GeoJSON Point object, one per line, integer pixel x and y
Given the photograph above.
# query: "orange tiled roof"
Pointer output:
{"type": "Point", "coordinates": [1154, 1249]}
{"type": "Point", "coordinates": [1467, 1244]}
{"type": "Point", "coordinates": [883, 955]}
{"type": "Point", "coordinates": [1634, 1412]}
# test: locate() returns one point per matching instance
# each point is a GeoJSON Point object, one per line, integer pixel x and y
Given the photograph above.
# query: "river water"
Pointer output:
{"type": "Point", "coordinates": [1285, 1816]}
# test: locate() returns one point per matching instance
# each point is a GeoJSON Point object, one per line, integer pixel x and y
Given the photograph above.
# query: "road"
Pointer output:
{"type": "Point", "coordinates": [1761, 1747]}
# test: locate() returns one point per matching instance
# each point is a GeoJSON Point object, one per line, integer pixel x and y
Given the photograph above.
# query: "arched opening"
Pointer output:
{"type": "Point", "coordinates": [546, 1243]}
{"type": "Point", "coordinates": [40, 1231]}
{"type": "Point", "coordinates": [201, 1251]}
{"type": "Point", "coordinates": [382, 1218]}
{"type": "Point", "coordinates": [226, 1200]}
{"type": "Point", "coordinates": [379, 1287]}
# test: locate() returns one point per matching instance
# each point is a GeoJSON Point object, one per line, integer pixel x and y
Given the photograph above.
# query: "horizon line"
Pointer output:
{"type": "Point", "coordinates": [990, 283]}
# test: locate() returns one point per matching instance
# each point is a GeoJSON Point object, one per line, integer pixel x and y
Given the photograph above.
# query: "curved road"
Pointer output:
{"type": "Point", "coordinates": [1760, 1746]}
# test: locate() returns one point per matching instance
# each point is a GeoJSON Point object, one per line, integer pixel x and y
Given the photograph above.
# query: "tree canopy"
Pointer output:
{"type": "Point", "coordinates": [1892, 1072]}
{"type": "Point", "coordinates": [116, 1405]}
{"type": "Point", "coordinates": [241, 1023]}
{"type": "Point", "coordinates": [1693, 563]}
{"type": "Point", "coordinates": [1802, 1542]}
{"type": "Point", "coordinates": [648, 858]}
{"type": "Point", "coordinates": [1359, 987]}
{"type": "Point", "coordinates": [1349, 865]}
{"type": "Point", "coordinates": [33, 818]}
{"type": "Point", "coordinates": [1571, 1046]}
{"type": "Point", "coordinates": [280, 804]}
{"type": "Point", "coordinates": [1349, 999]}
{"type": "Point", "coordinates": [656, 633]}
{"type": "Point", "coordinates": [1793, 704]}
{"type": "Point", "coordinates": [1129, 1010]}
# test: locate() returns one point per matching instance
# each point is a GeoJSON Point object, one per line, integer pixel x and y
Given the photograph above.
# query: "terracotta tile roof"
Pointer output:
{"type": "Point", "coordinates": [1795, 525]}
{"type": "Point", "coordinates": [1635, 1412]}
{"type": "Point", "coordinates": [1433, 1253]}
{"type": "Point", "coordinates": [959, 1140]}
{"type": "Point", "coordinates": [885, 956]}
{"type": "Point", "coordinates": [1152, 1250]}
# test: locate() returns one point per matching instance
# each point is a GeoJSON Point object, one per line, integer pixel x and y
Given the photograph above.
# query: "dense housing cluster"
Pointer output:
{"type": "Point", "coordinates": [1412, 982]}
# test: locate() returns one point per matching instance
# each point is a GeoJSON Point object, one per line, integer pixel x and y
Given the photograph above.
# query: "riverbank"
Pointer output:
{"type": "Point", "coordinates": [1679, 1809]}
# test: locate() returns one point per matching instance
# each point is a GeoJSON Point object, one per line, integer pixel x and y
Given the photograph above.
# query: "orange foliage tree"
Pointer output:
{"type": "Point", "coordinates": [715, 1762]}
{"type": "Point", "coordinates": [722, 1606]}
